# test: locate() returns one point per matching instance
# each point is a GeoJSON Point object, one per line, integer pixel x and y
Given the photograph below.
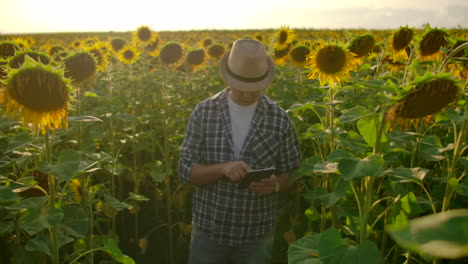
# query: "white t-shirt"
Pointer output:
{"type": "Point", "coordinates": [241, 117]}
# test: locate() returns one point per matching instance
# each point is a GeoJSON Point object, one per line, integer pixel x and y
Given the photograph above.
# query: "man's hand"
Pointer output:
{"type": "Point", "coordinates": [235, 170]}
{"type": "Point", "coordinates": [264, 186]}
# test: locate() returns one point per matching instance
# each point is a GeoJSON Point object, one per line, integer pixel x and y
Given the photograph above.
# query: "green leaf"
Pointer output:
{"type": "Point", "coordinates": [66, 167]}
{"type": "Point", "coordinates": [90, 94]}
{"type": "Point", "coordinates": [115, 252]}
{"type": "Point", "coordinates": [157, 174]}
{"type": "Point", "coordinates": [407, 174]}
{"type": "Point", "coordinates": [328, 199]}
{"type": "Point", "coordinates": [115, 203]}
{"type": "Point", "coordinates": [338, 155]}
{"type": "Point", "coordinates": [26, 183]}
{"type": "Point", "coordinates": [42, 243]}
{"type": "Point", "coordinates": [306, 168]}
{"type": "Point", "coordinates": [368, 253]}
{"type": "Point", "coordinates": [441, 235]}
{"type": "Point", "coordinates": [137, 197]}
{"type": "Point", "coordinates": [431, 148]}
{"type": "Point", "coordinates": [18, 141]}
{"type": "Point", "coordinates": [7, 196]}
{"type": "Point", "coordinates": [410, 205]}
{"type": "Point", "coordinates": [29, 203]}
{"type": "Point", "coordinates": [84, 119]}
{"type": "Point", "coordinates": [304, 250]}
{"type": "Point", "coordinates": [6, 227]}
{"type": "Point", "coordinates": [75, 220]}
{"type": "Point", "coordinates": [368, 129]}
{"type": "Point", "coordinates": [353, 114]}
{"type": "Point", "coordinates": [355, 168]}
{"type": "Point", "coordinates": [33, 220]}
{"type": "Point", "coordinates": [330, 241]}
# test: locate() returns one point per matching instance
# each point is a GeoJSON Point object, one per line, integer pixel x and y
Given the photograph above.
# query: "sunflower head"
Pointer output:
{"type": "Point", "coordinates": [206, 43]}
{"type": "Point", "coordinates": [3, 72]}
{"type": "Point", "coordinates": [330, 63]}
{"type": "Point", "coordinates": [401, 38]}
{"type": "Point", "coordinates": [280, 55]}
{"type": "Point", "coordinates": [117, 44]}
{"type": "Point", "coordinates": [129, 54]}
{"type": "Point", "coordinates": [170, 53]}
{"type": "Point", "coordinates": [431, 42]}
{"type": "Point", "coordinates": [143, 35]}
{"type": "Point", "coordinates": [426, 96]}
{"type": "Point", "coordinates": [40, 94]}
{"type": "Point", "coordinates": [8, 49]}
{"type": "Point", "coordinates": [195, 57]}
{"type": "Point", "coordinates": [80, 66]}
{"type": "Point", "coordinates": [55, 49]}
{"type": "Point", "coordinates": [362, 45]}
{"type": "Point", "coordinates": [101, 57]}
{"type": "Point", "coordinates": [298, 55]}
{"type": "Point", "coordinates": [18, 60]}
{"type": "Point", "coordinates": [77, 190]}
{"type": "Point", "coordinates": [152, 48]}
{"type": "Point", "coordinates": [283, 38]}
{"type": "Point", "coordinates": [258, 36]}
{"type": "Point", "coordinates": [216, 51]}
{"type": "Point", "coordinates": [22, 43]}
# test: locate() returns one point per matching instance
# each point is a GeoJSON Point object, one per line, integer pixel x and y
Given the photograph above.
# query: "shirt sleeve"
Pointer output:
{"type": "Point", "coordinates": [289, 154]}
{"type": "Point", "coordinates": [190, 149]}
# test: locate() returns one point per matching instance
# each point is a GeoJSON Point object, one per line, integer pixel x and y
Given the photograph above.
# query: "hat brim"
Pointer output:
{"type": "Point", "coordinates": [246, 86]}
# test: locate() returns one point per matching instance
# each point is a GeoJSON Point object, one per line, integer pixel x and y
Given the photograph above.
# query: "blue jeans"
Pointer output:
{"type": "Point", "coordinates": [204, 250]}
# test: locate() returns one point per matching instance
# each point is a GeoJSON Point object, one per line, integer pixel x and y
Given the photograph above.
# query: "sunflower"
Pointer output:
{"type": "Point", "coordinates": [152, 48]}
{"type": "Point", "coordinates": [117, 44]}
{"type": "Point", "coordinates": [77, 190]}
{"type": "Point", "coordinates": [143, 36]}
{"type": "Point", "coordinates": [298, 55]}
{"type": "Point", "coordinates": [195, 57]}
{"type": "Point", "coordinates": [55, 49]}
{"type": "Point", "coordinates": [129, 54]}
{"type": "Point", "coordinates": [206, 43]}
{"type": "Point", "coordinates": [330, 63]}
{"type": "Point", "coordinates": [362, 45]}
{"type": "Point", "coordinates": [399, 42]}
{"type": "Point", "coordinates": [431, 42]}
{"type": "Point", "coordinates": [258, 36]}
{"type": "Point", "coordinates": [99, 55]}
{"type": "Point", "coordinates": [283, 38]}
{"type": "Point", "coordinates": [280, 55]}
{"type": "Point", "coordinates": [216, 51]}
{"type": "Point", "coordinates": [18, 60]}
{"type": "Point", "coordinates": [22, 43]}
{"type": "Point", "coordinates": [426, 96]}
{"type": "Point", "coordinates": [80, 66]}
{"type": "Point", "coordinates": [170, 53]}
{"type": "Point", "coordinates": [40, 94]}
{"type": "Point", "coordinates": [8, 49]}
{"type": "Point", "coordinates": [77, 44]}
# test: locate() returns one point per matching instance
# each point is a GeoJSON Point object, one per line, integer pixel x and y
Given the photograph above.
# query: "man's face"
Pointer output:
{"type": "Point", "coordinates": [244, 98]}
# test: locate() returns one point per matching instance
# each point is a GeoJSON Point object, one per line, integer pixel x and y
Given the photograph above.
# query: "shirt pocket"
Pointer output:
{"type": "Point", "coordinates": [265, 148]}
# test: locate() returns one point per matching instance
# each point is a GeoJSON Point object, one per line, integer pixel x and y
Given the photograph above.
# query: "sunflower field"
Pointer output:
{"type": "Point", "coordinates": [91, 125]}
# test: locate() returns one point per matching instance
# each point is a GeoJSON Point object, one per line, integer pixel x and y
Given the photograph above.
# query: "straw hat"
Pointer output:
{"type": "Point", "coordinates": [247, 66]}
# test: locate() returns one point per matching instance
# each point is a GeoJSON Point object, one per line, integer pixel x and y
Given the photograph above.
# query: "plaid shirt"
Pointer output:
{"type": "Point", "coordinates": [229, 214]}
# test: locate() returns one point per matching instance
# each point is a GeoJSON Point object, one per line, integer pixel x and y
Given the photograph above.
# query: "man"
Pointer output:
{"type": "Point", "coordinates": [229, 134]}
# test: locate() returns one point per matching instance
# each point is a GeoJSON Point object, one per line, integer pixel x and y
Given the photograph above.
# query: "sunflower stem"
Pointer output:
{"type": "Point", "coordinates": [451, 54]}
{"type": "Point", "coordinates": [52, 192]}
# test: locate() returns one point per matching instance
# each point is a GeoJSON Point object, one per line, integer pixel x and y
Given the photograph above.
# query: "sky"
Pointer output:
{"type": "Point", "coordinates": [43, 16]}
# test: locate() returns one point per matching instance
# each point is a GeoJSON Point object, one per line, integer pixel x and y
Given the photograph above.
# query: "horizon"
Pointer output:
{"type": "Point", "coordinates": [50, 16]}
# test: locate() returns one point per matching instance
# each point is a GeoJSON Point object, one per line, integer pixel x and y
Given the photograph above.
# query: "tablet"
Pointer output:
{"type": "Point", "coordinates": [256, 175]}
